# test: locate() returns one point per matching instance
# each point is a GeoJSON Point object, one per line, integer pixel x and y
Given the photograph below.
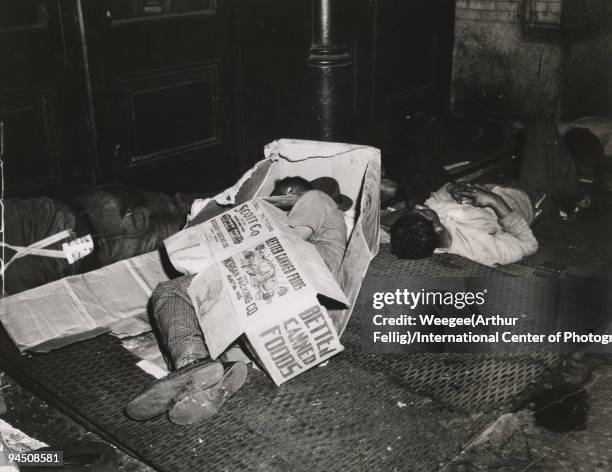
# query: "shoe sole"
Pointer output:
{"type": "Point", "coordinates": [201, 405]}
{"type": "Point", "coordinates": [162, 395]}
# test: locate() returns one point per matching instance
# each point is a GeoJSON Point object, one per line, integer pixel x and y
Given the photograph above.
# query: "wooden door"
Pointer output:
{"type": "Point", "coordinates": [163, 78]}
{"type": "Point", "coordinates": [414, 45]}
{"type": "Point", "coordinates": [275, 36]}
{"type": "Point", "coordinates": [43, 102]}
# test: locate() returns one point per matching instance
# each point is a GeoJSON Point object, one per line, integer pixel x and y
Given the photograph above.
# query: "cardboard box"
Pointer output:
{"type": "Point", "coordinates": [287, 329]}
{"type": "Point", "coordinates": [294, 335]}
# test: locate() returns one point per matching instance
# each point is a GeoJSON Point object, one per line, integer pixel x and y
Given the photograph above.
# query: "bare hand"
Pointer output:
{"type": "Point", "coordinates": [474, 194]}
{"type": "Point", "coordinates": [479, 196]}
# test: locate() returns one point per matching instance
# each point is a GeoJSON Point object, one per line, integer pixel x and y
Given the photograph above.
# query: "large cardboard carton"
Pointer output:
{"type": "Point", "coordinates": [255, 277]}
{"type": "Point", "coordinates": [286, 326]}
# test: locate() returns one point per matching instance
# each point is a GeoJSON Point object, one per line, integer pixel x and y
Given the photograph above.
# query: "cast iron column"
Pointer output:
{"type": "Point", "coordinates": [330, 79]}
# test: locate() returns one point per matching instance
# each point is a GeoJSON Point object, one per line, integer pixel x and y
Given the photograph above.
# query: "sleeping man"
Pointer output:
{"type": "Point", "coordinates": [199, 387]}
{"type": "Point", "coordinates": [490, 224]}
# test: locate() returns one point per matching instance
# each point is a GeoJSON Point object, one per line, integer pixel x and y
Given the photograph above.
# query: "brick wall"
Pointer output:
{"type": "Point", "coordinates": [487, 10]}
{"type": "Point", "coordinates": [544, 11]}
{"type": "Point", "coordinates": [497, 66]}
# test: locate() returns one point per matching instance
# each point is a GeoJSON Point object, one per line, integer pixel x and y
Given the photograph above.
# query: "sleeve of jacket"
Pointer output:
{"type": "Point", "coordinates": [513, 243]}
{"type": "Point", "coordinates": [310, 210]}
{"type": "Point", "coordinates": [519, 241]}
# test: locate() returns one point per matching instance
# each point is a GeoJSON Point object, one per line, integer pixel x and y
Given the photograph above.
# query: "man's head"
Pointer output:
{"type": "Point", "coordinates": [415, 235]}
{"type": "Point", "coordinates": [291, 186]}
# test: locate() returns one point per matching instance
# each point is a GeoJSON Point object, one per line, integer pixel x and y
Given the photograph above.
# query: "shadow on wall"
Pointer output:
{"type": "Point", "coordinates": [588, 76]}
{"type": "Point", "coordinates": [496, 69]}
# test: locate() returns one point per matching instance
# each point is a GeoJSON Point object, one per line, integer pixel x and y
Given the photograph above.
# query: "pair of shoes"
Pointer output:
{"type": "Point", "coordinates": [201, 404]}
{"type": "Point", "coordinates": [162, 394]}
{"type": "Point", "coordinates": [186, 382]}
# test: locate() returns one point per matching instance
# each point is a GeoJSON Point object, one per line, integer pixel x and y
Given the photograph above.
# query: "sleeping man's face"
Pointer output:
{"type": "Point", "coordinates": [288, 189]}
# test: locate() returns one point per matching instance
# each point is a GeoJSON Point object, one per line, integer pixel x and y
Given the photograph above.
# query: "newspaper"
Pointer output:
{"type": "Point", "coordinates": [256, 277]}
{"type": "Point", "coordinates": [115, 297]}
{"type": "Point", "coordinates": [14, 441]}
{"type": "Point", "coordinates": [83, 306]}
{"type": "Point", "coordinates": [147, 349]}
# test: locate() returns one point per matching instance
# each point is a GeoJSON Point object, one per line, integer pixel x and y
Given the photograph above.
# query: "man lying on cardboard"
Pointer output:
{"type": "Point", "coordinates": [198, 387]}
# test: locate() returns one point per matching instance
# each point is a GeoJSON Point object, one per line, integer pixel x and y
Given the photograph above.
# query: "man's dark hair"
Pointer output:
{"type": "Point", "coordinates": [413, 237]}
{"type": "Point", "coordinates": [291, 186]}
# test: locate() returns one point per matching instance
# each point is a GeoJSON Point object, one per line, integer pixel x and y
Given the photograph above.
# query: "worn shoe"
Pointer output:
{"type": "Point", "coordinates": [163, 393]}
{"type": "Point", "coordinates": [199, 405]}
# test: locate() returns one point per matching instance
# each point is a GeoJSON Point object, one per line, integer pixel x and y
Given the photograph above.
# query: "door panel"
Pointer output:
{"type": "Point", "coordinates": [141, 10]}
{"type": "Point", "coordinates": [42, 101]}
{"type": "Point", "coordinates": [189, 98]}
{"type": "Point", "coordinates": [163, 78]}
{"type": "Point", "coordinates": [31, 142]}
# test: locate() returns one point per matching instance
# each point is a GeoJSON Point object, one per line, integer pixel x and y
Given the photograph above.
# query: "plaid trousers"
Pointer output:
{"type": "Point", "coordinates": [177, 322]}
